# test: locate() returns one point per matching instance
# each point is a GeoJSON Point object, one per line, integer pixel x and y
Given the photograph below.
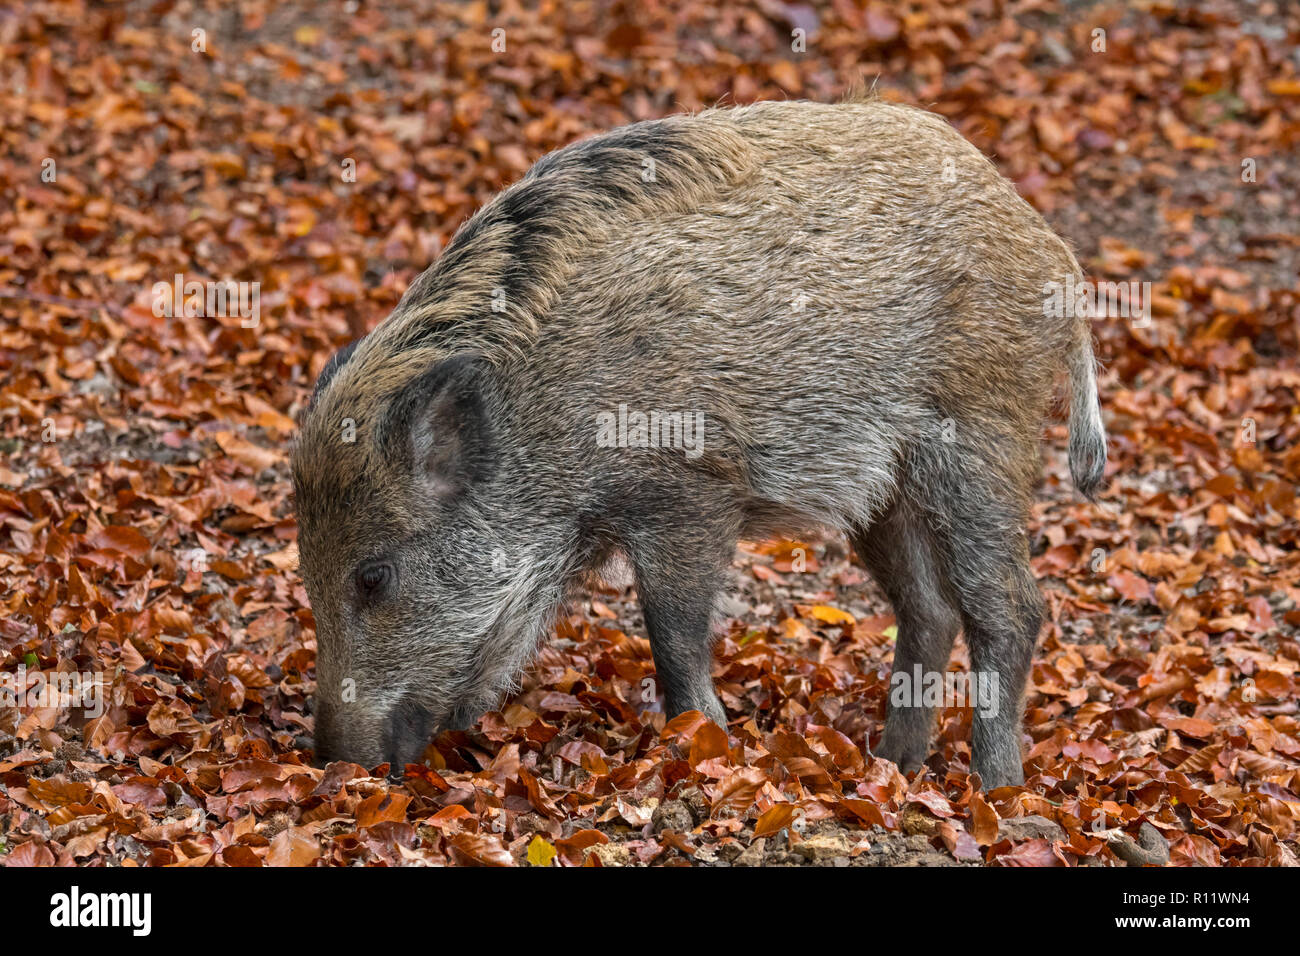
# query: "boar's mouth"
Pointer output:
{"type": "Point", "coordinates": [407, 733]}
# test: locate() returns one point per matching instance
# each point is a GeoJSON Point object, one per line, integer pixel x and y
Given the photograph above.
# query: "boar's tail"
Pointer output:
{"type": "Point", "coordinates": [1087, 434]}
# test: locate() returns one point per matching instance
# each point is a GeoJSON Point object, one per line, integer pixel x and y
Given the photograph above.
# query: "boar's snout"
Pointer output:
{"type": "Point", "coordinates": [397, 737]}
{"type": "Point", "coordinates": [406, 734]}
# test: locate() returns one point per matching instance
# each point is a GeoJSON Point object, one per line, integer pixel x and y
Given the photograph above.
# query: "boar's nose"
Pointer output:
{"type": "Point", "coordinates": [406, 735]}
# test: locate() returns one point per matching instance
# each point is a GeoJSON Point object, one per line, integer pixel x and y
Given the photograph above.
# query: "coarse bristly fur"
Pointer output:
{"type": "Point", "coordinates": [848, 297]}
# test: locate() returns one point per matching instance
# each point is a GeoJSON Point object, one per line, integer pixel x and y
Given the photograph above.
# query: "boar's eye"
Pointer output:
{"type": "Point", "coordinates": [373, 578]}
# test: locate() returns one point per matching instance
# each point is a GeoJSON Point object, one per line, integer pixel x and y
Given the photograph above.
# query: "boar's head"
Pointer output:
{"type": "Point", "coordinates": [426, 608]}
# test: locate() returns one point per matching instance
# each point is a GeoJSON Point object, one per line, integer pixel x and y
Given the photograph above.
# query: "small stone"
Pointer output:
{"type": "Point", "coordinates": [823, 846]}
{"type": "Point", "coordinates": [694, 798]}
{"type": "Point", "coordinates": [753, 855]}
{"type": "Point", "coordinates": [914, 820]}
{"type": "Point", "coordinates": [1033, 827]}
{"type": "Point", "coordinates": [1149, 849]}
{"type": "Point", "coordinates": [672, 815]}
{"type": "Point", "coordinates": [611, 854]}
{"type": "Point", "coordinates": [729, 851]}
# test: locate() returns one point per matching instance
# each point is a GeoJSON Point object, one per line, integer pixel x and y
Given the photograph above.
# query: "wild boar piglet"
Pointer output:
{"type": "Point", "coordinates": [740, 323]}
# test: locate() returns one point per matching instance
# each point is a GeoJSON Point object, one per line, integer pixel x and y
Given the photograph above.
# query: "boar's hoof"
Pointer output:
{"type": "Point", "coordinates": [907, 754]}
{"type": "Point", "coordinates": [1007, 773]}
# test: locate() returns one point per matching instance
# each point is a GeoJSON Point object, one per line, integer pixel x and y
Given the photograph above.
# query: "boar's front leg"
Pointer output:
{"type": "Point", "coordinates": [680, 566]}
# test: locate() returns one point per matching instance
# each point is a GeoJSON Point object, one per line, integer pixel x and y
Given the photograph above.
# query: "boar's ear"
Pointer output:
{"type": "Point", "coordinates": [438, 426]}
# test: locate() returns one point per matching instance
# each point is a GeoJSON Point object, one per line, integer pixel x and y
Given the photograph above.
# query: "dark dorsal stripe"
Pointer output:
{"type": "Point", "coordinates": [336, 362]}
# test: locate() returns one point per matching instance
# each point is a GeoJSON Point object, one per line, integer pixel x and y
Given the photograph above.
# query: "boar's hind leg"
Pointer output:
{"type": "Point", "coordinates": [678, 577]}
{"type": "Point", "coordinates": [979, 514]}
{"type": "Point", "coordinates": [899, 553]}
